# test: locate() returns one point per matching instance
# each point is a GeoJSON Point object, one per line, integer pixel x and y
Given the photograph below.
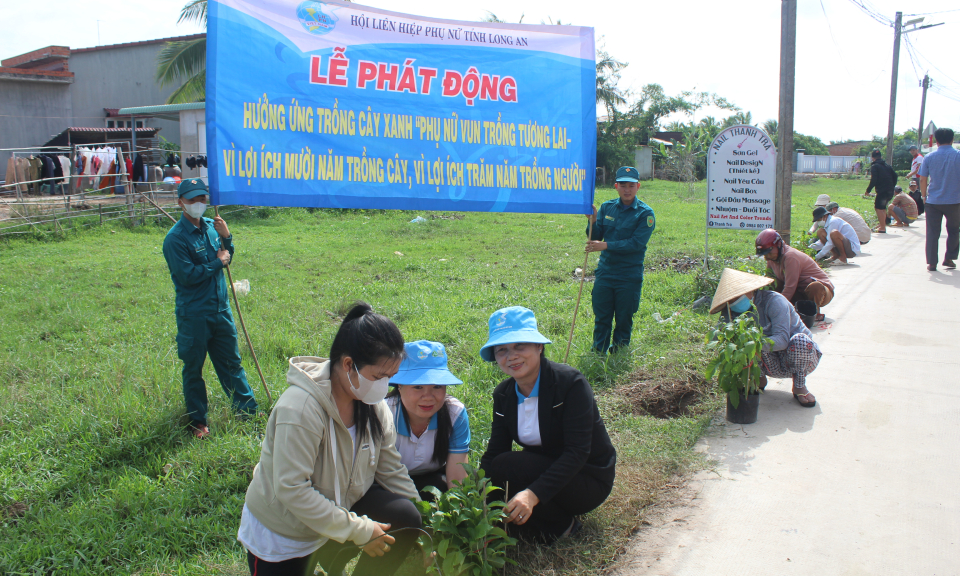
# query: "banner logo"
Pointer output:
{"type": "Point", "coordinates": [314, 20]}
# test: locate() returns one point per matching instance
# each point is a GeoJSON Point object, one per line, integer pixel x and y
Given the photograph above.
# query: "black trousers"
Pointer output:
{"type": "Point", "coordinates": [549, 518]}
{"type": "Point", "coordinates": [435, 479]}
{"type": "Point", "coordinates": [377, 504]}
{"type": "Point", "coordinates": [935, 216]}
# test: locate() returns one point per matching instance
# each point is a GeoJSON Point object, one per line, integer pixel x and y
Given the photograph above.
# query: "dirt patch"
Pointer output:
{"type": "Point", "coordinates": [680, 264]}
{"type": "Point", "coordinates": [454, 216]}
{"type": "Point", "coordinates": [664, 396]}
{"type": "Point", "coordinates": [15, 510]}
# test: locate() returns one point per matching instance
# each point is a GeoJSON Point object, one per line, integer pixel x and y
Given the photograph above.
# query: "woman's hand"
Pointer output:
{"type": "Point", "coordinates": [380, 541]}
{"type": "Point", "coordinates": [520, 507]}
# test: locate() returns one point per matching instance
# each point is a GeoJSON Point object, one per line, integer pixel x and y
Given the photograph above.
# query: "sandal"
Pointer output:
{"type": "Point", "coordinates": [808, 403]}
{"type": "Point", "coordinates": [819, 318]}
{"type": "Point", "coordinates": [877, 231]}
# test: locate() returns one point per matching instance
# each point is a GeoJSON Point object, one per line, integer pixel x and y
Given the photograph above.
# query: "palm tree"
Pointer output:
{"type": "Point", "coordinates": [738, 118]}
{"type": "Point", "coordinates": [185, 61]}
{"type": "Point", "coordinates": [770, 127]}
{"type": "Point", "coordinates": [608, 75]}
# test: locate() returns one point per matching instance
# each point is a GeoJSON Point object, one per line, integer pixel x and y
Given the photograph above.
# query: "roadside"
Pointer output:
{"type": "Point", "coordinates": [864, 483]}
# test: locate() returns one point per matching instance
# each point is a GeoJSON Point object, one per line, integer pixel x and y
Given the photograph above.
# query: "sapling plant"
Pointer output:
{"type": "Point", "coordinates": [466, 528]}
{"type": "Point", "coordinates": [738, 345]}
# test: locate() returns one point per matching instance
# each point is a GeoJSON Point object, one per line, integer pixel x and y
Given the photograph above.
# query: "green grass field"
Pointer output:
{"type": "Point", "coordinates": [97, 474]}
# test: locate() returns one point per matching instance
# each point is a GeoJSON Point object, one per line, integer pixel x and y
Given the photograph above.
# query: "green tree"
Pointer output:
{"type": "Point", "coordinates": [738, 118]}
{"type": "Point", "coordinates": [608, 76]}
{"type": "Point", "coordinates": [811, 145]}
{"type": "Point", "coordinates": [770, 127]}
{"type": "Point", "coordinates": [184, 62]}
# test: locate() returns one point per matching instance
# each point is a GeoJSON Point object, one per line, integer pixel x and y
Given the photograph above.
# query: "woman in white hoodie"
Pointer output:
{"type": "Point", "coordinates": [330, 480]}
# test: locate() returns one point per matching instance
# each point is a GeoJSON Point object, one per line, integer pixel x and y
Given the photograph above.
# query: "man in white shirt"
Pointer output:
{"type": "Point", "coordinates": [848, 215]}
{"type": "Point", "coordinates": [837, 239]}
{"type": "Point", "coordinates": [853, 218]}
{"type": "Point", "coordinates": [915, 163]}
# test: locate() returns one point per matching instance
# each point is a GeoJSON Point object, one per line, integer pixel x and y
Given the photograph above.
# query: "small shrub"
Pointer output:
{"type": "Point", "coordinates": [465, 527]}
{"type": "Point", "coordinates": [738, 345]}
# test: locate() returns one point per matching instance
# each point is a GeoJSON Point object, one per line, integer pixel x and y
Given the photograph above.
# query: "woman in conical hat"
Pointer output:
{"type": "Point", "coordinates": [793, 354]}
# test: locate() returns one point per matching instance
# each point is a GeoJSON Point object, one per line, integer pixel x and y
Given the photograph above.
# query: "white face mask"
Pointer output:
{"type": "Point", "coordinates": [195, 210]}
{"type": "Point", "coordinates": [823, 223]}
{"type": "Point", "coordinates": [369, 391]}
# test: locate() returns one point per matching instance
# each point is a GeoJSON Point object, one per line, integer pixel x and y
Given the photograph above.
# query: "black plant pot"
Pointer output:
{"type": "Point", "coordinates": [746, 412]}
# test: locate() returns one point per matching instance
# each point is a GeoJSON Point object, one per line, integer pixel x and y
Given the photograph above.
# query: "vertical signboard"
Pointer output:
{"type": "Point", "coordinates": [741, 179]}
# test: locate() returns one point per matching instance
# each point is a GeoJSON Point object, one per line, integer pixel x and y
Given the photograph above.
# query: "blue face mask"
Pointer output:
{"type": "Point", "coordinates": [740, 305]}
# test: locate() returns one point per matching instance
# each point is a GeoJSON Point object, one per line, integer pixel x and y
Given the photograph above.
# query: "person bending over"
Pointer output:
{"type": "Point", "coordinates": [903, 208]}
{"type": "Point", "coordinates": [330, 478]}
{"type": "Point", "coordinates": [793, 353]}
{"type": "Point", "coordinates": [798, 275]}
{"type": "Point", "coordinates": [836, 239]}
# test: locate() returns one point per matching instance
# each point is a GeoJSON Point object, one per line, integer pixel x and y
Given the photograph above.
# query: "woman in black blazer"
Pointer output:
{"type": "Point", "coordinates": [567, 465]}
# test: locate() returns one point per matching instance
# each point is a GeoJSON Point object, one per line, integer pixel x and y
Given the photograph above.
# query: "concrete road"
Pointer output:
{"type": "Point", "coordinates": [865, 483]}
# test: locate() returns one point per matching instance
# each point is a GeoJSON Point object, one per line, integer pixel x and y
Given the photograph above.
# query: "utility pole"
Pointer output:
{"type": "Point", "coordinates": [923, 105]}
{"type": "Point", "coordinates": [788, 68]}
{"type": "Point", "coordinates": [897, 26]}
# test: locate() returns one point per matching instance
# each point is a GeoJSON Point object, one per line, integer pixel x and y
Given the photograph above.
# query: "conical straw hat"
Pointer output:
{"type": "Point", "coordinates": [733, 284]}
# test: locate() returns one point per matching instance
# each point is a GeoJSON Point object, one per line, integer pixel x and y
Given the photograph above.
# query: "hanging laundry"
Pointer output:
{"type": "Point", "coordinates": [139, 171]}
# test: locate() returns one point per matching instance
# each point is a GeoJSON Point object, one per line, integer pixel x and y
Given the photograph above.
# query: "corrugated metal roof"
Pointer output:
{"type": "Point", "coordinates": [89, 129]}
{"type": "Point", "coordinates": [162, 109]}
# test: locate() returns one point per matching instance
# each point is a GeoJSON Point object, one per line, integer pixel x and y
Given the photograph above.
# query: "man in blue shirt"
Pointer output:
{"type": "Point", "coordinates": [196, 250]}
{"type": "Point", "coordinates": [940, 189]}
{"type": "Point", "coordinates": [621, 230]}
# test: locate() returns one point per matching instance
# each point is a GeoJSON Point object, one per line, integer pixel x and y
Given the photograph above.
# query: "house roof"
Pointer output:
{"type": "Point", "coordinates": [37, 57]}
{"type": "Point", "coordinates": [141, 43]}
{"type": "Point", "coordinates": [96, 135]}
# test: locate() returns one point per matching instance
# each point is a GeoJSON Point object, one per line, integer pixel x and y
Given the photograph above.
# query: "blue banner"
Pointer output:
{"type": "Point", "coordinates": [333, 105]}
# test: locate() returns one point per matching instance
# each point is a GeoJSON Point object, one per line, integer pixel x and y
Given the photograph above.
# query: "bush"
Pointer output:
{"type": "Point", "coordinates": [465, 527]}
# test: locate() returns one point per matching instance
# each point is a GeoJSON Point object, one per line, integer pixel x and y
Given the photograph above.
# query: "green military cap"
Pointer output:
{"type": "Point", "coordinates": [191, 188]}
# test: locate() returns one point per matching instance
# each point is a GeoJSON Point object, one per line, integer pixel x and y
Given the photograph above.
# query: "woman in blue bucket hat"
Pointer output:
{"type": "Point", "coordinates": [433, 429]}
{"type": "Point", "coordinates": [567, 465]}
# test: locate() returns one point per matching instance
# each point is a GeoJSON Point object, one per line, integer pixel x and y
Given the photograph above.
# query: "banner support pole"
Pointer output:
{"type": "Point", "coordinates": [583, 275]}
{"type": "Point", "coordinates": [244, 326]}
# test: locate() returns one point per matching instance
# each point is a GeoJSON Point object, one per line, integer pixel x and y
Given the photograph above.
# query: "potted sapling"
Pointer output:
{"type": "Point", "coordinates": [738, 343]}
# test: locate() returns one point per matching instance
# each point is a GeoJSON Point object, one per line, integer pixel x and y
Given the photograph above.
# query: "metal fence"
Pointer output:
{"type": "Point", "coordinates": [40, 216]}
{"type": "Point", "coordinates": [827, 164]}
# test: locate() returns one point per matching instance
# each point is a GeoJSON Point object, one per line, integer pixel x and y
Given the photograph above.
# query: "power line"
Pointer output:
{"type": "Point", "coordinates": [913, 58]}
{"type": "Point", "coordinates": [932, 65]}
{"type": "Point", "coordinates": [872, 12]}
{"type": "Point", "coordinates": [932, 13]}
{"type": "Point", "coordinates": [944, 94]}
{"type": "Point", "coordinates": [834, 38]}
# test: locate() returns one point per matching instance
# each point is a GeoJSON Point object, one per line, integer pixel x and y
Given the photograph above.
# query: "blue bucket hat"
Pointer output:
{"type": "Point", "coordinates": [191, 188]}
{"type": "Point", "coordinates": [509, 326]}
{"type": "Point", "coordinates": [425, 364]}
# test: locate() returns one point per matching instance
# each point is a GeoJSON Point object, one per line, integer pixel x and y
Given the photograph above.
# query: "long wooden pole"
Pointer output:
{"type": "Point", "coordinates": [583, 275]}
{"type": "Point", "coordinates": [244, 327]}
{"type": "Point", "coordinates": [236, 303]}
